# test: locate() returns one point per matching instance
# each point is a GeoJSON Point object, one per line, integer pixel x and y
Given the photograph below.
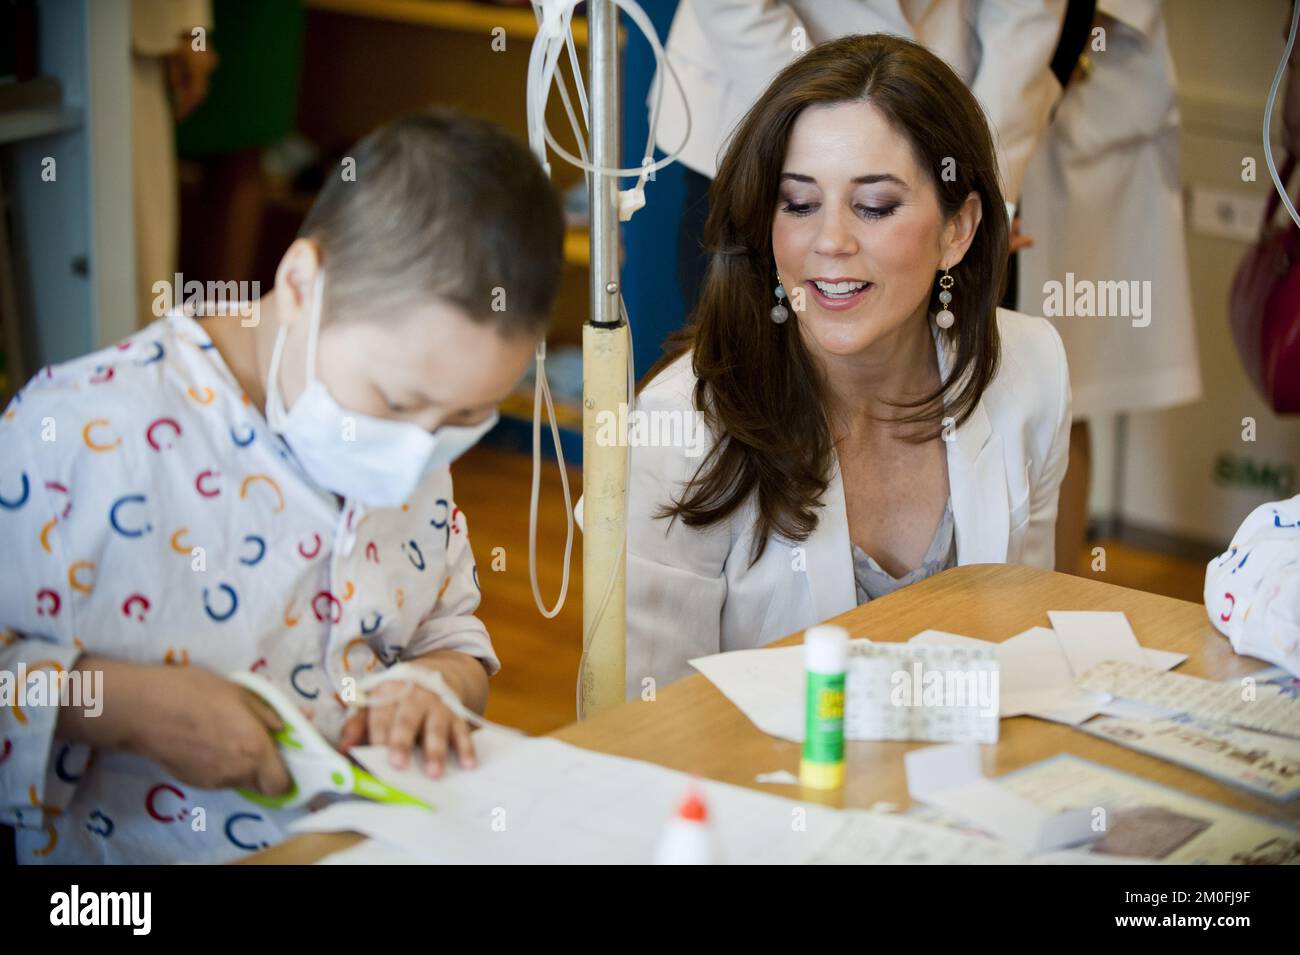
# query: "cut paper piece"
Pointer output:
{"type": "Point", "coordinates": [937, 693]}
{"type": "Point", "coordinates": [408, 828]}
{"type": "Point", "coordinates": [1090, 636]}
{"type": "Point", "coordinates": [1073, 713]}
{"type": "Point", "coordinates": [782, 776]}
{"type": "Point", "coordinates": [949, 777]}
{"type": "Point", "coordinates": [1037, 679]}
{"type": "Point", "coordinates": [767, 685]}
{"type": "Point", "coordinates": [488, 743]}
{"type": "Point", "coordinates": [1268, 711]}
{"type": "Point", "coordinates": [538, 800]}
{"type": "Point", "coordinates": [370, 852]}
{"type": "Point", "coordinates": [1036, 676]}
{"type": "Point", "coordinates": [1134, 710]}
{"type": "Point", "coordinates": [1162, 659]}
{"type": "Point", "coordinates": [541, 800]}
{"type": "Point", "coordinates": [1260, 762]}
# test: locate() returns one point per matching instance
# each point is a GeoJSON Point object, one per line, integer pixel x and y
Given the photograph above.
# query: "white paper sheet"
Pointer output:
{"type": "Point", "coordinates": [1036, 674]}
{"type": "Point", "coordinates": [543, 801]}
{"type": "Point", "coordinates": [766, 684]}
{"type": "Point", "coordinates": [1038, 678]}
{"type": "Point", "coordinates": [1090, 636]}
{"type": "Point", "coordinates": [370, 852]}
{"type": "Point", "coordinates": [949, 777]}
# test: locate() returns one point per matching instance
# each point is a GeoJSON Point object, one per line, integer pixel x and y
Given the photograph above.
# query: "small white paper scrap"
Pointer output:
{"type": "Point", "coordinates": [949, 777]}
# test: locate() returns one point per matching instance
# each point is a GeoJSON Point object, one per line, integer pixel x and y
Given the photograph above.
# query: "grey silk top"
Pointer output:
{"type": "Point", "coordinates": [874, 581]}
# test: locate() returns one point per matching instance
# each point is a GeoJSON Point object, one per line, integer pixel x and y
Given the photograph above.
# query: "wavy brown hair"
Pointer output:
{"type": "Point", "coordinates": [757, 385]}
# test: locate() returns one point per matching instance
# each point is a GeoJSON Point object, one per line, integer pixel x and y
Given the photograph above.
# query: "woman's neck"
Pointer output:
{"type": "Point", "coordinates": [902, 365]}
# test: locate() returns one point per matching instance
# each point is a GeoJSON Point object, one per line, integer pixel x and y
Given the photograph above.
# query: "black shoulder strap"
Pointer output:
{"type": "Point", "coordinates": [1075, 30]}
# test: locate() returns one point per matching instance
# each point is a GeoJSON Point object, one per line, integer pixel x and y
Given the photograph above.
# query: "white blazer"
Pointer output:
{"type": "Point", "coordinates": [692, 592]}
{"type": "Point", "coordinates": [726, 52]}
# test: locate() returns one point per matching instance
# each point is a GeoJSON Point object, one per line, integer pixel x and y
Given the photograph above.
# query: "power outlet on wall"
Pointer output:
{"type": "Point", "coordinates": [1225, 213]}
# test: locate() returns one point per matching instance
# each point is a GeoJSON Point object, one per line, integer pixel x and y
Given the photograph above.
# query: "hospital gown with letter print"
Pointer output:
{"type": "Point", "coordinates": [149, 514]}
{"type": "Point", "coordinates": [1252, 590]}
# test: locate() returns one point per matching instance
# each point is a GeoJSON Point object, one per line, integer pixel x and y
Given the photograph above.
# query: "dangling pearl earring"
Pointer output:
{"type": "Point", "coordinates": [779, 312]}
{"type": "Point", "coordinates": [945, 318]}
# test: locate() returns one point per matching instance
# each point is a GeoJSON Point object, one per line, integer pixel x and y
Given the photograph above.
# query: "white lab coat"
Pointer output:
{"type": "Point", "coordinates": [691, 591]}
{"type": "Point", "coordinates": [1102, 201]}
{"type": "Point", "coordinates": [726, 52]}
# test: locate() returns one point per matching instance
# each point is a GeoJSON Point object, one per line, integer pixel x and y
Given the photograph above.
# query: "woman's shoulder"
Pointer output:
{"type": "Point", "coordinates": [1032, 361]}
{"type": "Point", "coordinates": [673, 387]}
{"type": "Point", "coordinates": [1028, 335]}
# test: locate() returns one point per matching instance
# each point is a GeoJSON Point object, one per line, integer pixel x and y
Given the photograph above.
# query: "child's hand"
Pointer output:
{"type": "Point", "coordinates": [400, 715]}
{"type": "Point", "coordinates": [205, 730]}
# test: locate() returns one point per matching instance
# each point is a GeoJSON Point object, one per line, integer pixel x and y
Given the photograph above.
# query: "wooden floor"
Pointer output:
{"type": "Point", "coordinates": [536, 688]}
{"type": "Point", "coordinates": [539, 658]}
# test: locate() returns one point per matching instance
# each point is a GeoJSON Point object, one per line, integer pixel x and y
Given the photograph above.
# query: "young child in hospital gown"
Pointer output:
{"type": "Point", "coordinates": [164, 530]}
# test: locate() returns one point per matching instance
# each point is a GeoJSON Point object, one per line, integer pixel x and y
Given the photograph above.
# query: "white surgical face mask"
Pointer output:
{"type": "Point", "coordinates": [372, 460]}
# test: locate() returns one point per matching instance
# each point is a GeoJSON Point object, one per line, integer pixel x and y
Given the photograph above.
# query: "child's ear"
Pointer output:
{"type": "Point", "coordinates": [296, 274]}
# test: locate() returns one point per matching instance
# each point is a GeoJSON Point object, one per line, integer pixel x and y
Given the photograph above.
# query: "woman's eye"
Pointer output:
{"type": "Point", "coordinates": [798, 208]}
{"type": "Point", "coordinates": [877, 212]}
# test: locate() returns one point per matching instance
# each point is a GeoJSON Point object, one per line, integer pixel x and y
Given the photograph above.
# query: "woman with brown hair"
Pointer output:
{"type": "Point", "coordinates": [872, 416]}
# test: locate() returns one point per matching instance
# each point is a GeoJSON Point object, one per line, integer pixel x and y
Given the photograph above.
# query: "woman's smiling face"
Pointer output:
{"type": "Point", "coordinates": [858, 232]}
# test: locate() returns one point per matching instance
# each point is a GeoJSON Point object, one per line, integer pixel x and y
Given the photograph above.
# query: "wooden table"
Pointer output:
{"type": "Point", "coordinates": [693, 727]}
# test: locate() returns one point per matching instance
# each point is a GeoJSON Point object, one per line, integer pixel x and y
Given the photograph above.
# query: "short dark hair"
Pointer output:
{"type": "Point", "coordinates": [442, 205]}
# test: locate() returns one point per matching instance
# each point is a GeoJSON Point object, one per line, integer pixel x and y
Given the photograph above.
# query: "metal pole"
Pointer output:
{"type": "Point", "coordinates": [604, 386]}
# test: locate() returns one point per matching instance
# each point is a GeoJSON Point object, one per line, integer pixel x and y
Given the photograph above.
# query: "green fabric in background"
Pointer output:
{"type": "Point", "coordinates": [252, 98]}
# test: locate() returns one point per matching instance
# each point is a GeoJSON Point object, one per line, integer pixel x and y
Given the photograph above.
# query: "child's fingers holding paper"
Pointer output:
{"type": "Point", "coordinates": [407, 721]}
{"type": "Point", "coordinates": [462, 742]}
{"type": "Point", "coordinates": [379, 717]}
{"type": "Point", "coordinates": [354, 731]}
{"type": "Point", "coordinates": [437, 726]}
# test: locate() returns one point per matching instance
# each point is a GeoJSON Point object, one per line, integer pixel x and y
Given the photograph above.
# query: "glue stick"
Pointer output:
{"type": "Point", "coordinates": [826, 652]}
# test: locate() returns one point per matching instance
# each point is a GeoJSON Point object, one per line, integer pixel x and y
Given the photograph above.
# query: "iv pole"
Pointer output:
{"type": "Point", "coordinates": [604, 387]}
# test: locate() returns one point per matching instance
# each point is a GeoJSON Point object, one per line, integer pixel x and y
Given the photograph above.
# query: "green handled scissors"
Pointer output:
{"type": "Point", "coordinates": [315, 765]}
